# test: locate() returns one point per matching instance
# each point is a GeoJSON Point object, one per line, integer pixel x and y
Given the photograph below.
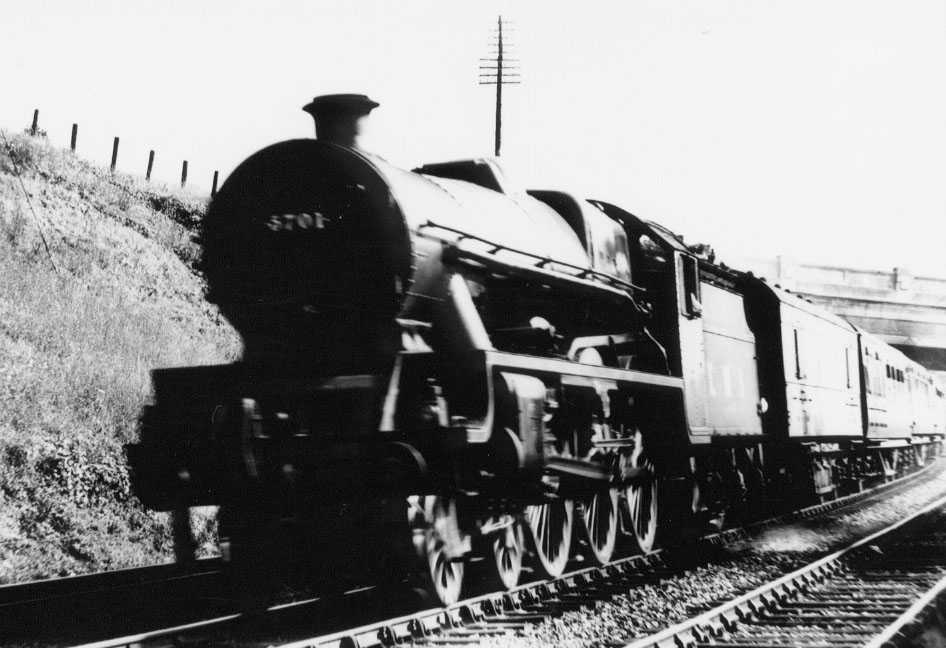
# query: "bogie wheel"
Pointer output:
{"type": "Point", "coordinates": [642, 497]}
{"type": "Point", "coordinates": [435, 529]}
{"type": "Point", "coordinates": [599, 524]}
{"type": "Point", "coordinates": [551, 528]}
{"type": "Point", "coordinates": [506, 551]}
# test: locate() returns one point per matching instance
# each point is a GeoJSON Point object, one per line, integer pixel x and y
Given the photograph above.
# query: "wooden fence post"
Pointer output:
{"type": "Point", "coordinates": [184, 174]}
{"type": "Point", "coordinates": [75, 133]}
{"type": "Point", "coordinates": [114, 154]}
{"type": "Point", "coordinates": [213, 188]}
{"type": "Point", "coordinates": [150, 164]}
{"type": "Point", "coordinates": [35, 125]}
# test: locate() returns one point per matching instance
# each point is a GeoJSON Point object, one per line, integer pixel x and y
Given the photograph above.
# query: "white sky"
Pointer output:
{"type": "Point", "coordinates": [815, 129]}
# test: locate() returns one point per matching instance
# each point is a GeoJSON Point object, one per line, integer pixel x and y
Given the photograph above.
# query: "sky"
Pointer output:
{"type": "Point", "coordinates": [815, 129]}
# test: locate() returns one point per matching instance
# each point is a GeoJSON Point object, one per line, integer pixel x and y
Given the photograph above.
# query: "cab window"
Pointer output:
{"type": "Point", "coordinates": [691, 286]}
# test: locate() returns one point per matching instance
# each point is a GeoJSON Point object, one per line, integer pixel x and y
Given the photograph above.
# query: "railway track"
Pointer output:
{"type": "Point", "coordinates": [872, 593]}
{"type": "Point", "coordinates": [23, 593]}
{"type": "Point", "coordinates": [106, 601]}
{"type": "Point", "coordinates": [498, 614]}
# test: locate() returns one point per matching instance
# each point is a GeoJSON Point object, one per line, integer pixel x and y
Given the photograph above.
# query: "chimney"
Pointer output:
{"type": "Point", "coordinates": [338, 117]}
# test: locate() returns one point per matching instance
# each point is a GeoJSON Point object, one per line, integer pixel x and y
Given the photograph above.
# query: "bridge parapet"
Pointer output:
{"type": "Point", "coordinates": [905, 310]}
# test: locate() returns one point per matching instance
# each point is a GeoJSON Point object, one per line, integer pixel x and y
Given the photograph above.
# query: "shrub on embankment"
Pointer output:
{"type": "Point", "coordinates": [80, 327]}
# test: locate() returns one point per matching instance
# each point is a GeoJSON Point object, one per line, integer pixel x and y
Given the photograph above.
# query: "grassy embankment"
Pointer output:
{"type": "Point", "coordinates": [76, 347]}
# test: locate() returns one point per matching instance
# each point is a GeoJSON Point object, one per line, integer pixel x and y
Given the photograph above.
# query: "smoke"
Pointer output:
{"type": "Point", "coordinates": [792, 538]}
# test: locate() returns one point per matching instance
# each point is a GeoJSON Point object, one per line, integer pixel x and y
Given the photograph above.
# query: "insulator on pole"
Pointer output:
{"type": "Point", "coordinates": [498, 70]}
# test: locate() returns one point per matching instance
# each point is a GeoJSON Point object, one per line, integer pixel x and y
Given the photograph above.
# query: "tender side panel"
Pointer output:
{"type": "Point", "coordinates": [730, 380]}
{"type": "Point", "coordinates": [821, 382]}
{"type": "Point", "coordinates": [693, 369]}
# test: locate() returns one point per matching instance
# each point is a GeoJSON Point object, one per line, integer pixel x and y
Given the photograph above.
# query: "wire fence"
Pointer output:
{"type": "Point", "coordinates": [35, 130]}
{"type": "Point", "coordinates": [19, 164]}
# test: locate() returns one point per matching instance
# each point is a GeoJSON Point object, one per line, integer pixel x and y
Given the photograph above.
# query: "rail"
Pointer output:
{"type": "Point", "coordinates": [499, 612]}
{"type": "Point", "coordinates": [727, 618]}
{"type": "Point", "coordinates": [17, 594]}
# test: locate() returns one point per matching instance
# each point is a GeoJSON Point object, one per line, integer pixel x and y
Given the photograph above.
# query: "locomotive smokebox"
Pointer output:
{"type": "Point", "coordinates": [338, 117]}
{"type": "Point", "coordinates": [308, 256]}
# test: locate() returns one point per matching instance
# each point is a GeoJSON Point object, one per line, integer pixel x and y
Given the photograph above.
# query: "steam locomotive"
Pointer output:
{"type": "Point", "coordinates": [443, 371]}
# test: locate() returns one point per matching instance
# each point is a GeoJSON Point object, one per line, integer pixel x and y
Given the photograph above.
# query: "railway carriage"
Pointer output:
{"type": "Point", "coordinates": [442, 370]}
{"type": "Point", "coordinates": [901, 404]}
{"type": "Point", "coordinates": [927, 403]}
{"type": "Point", "coordinates": [810, 387]}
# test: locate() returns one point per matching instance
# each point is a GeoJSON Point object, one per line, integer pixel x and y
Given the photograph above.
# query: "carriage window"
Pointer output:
{"type": "Point", "coordinates": [797, 357]}
{"type": "Point", "coordinates": [847, 366]}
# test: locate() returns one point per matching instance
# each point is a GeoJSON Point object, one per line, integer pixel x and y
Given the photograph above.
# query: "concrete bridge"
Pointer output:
{"type": "Point", "coordinates": [907, 311]}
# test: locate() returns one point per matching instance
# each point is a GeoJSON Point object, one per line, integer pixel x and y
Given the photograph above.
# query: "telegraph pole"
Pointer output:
{"type": "Point", "coordinates": [499, 70]}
